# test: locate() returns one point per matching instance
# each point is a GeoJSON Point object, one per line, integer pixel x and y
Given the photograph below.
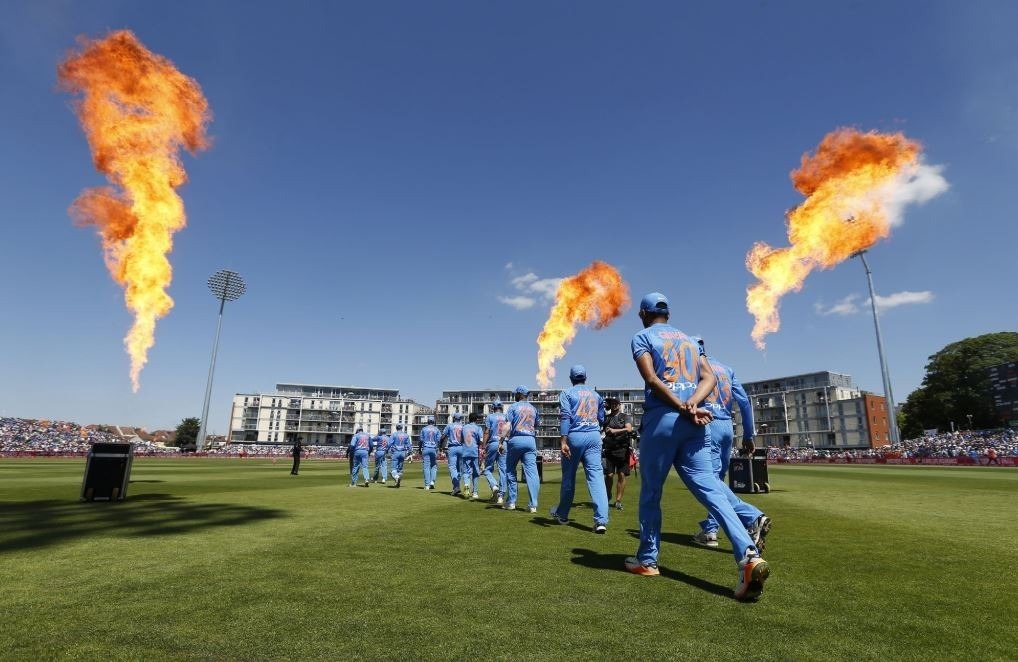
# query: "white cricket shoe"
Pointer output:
{"type": "Point", "coordinates": [634, 566]}
{"type": "Point", "coordinates": [706, 539]}
{"type": "Point", "coordinates": [753, 572]}
{"type": "Point", "coordinates": [758, 531]}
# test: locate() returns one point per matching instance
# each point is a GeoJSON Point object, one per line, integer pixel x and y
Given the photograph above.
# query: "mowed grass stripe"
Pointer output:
{"type": "Point", "coordinates": [318, 570]}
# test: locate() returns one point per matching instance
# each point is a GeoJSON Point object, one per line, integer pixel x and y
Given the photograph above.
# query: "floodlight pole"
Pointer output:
{"type": "Point", "coordinates": [225, 285]}
{"type": "Point", "coordinates": [892, 420]}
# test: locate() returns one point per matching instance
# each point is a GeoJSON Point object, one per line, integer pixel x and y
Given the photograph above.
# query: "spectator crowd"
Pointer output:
{"type": "Point", "coordinates": [977, 446]}
{"type": "Point", "coordinates": [28, 437]}
{"type": "Point", "coordinates": [276, 450]}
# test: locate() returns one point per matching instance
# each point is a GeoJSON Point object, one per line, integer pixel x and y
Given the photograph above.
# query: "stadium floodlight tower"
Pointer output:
{"type": "Point", "coordinates": [225, 285]}
{"type": "Point", "coordinates": [892, 421]}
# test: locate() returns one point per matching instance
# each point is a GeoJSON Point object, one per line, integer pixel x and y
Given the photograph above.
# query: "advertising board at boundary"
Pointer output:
{"type": "Point", "coordinates": [943, 461]}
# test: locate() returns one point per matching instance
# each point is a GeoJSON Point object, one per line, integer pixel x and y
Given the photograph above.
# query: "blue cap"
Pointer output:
{"type": "Point", "coordinates": [457, 416]}
{"type": "Point", "coordinates": [577, 372]}
{"type": "Point", "coordinates": [399, 427]}
{"type": "Point", "coordinates": [360, 429]}
{"type": "Point", "coordinates": [522, 390]}
{"type": "Point", "coordinates": [496, 404]}
{"type": "Point", "coordinates": [655, 302]}
{"type": "Point", "coordinates": [431, 420]}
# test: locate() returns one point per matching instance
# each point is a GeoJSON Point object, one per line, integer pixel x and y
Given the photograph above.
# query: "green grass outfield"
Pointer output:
{"type": "Point", "coordinates": [236, 559]}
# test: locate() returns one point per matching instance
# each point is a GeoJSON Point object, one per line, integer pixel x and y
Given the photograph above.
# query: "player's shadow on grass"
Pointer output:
{"type": "Point", "coordinates": [549, 522]}
{"type": "Point", "coordinates": [598, 561]}
{"type": "Point", "coordinates": [35, 524]}
{"type": "Point", "coordinates": [683, 539]}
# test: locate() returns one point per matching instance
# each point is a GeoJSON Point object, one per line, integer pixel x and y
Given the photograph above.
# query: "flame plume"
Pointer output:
{"type": "Point", "coordinates": [593, 297]}
{"type": "Point", "coordinates": [856, 186]}
{"type": "Point", "coordinates": [137, 111]}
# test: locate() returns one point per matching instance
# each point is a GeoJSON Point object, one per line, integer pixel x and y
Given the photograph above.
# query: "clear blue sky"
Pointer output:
{"type": "Point", "coordinates": [376, 166]}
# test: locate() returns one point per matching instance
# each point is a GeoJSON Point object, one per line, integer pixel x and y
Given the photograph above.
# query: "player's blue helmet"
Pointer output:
{"type": "Point", "coordinates": [522, 390]}
{"type": "Point", "coordinates": [656, 303]}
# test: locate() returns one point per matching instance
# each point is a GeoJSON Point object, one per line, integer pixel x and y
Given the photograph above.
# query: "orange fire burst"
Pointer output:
{"type": "Point", "coordinates": [855, 186]}
{"type": "Point", "coordinates": [137, 111]}
{"type": "Point", "coordinates": [593, 297]}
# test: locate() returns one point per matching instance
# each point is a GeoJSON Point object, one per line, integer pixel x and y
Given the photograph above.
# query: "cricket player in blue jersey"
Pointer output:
{"type": "Point", "coordinates": [360, 447]}
{"type": "Point", "coordinates": [722, 435]}
{"type": "Point", "coordinates": [452, 435]}
{"type": "Point", "coordinates": [400, 446]}
{"type": "Point", "coordinates": [471, 446]}
{"type": "Point", "coordinates": [430, 439]}
{"type": "Point", "coordinates": [381, 450]}
{"type": "Point", "coordinates": [492, 457]}
{"type": "Point", "coordinates": [581, 414]}
{"type": "Point", "coordinates": [520, 444]}
{"type": "Point", "coordinates": [674, 432]}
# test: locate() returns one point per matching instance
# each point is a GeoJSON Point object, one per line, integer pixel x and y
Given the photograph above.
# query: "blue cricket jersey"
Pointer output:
{"type": "Point", "coordinates": [454, 433]}
{"type": "Point", "coordinates": [581, 410]}
{"type": "Point", "coordinates": [471, 439]}
{"type": "Point", "coordinates": [523, 419]}
{"type": "Point", "coordinates": [400, 442]}
{"type": "Point", "coordinates": [494, 420]}
{"type": "Point", "coordinates": [729, 391]}
{"type": "Point", "coordinates": [360, 442]}
{"type": "Point", "coordinates": [676, 361]}
{"type": "Point", "coordinates": [381, 444]}
{"type": "Point", "coordinates": [430, 438]}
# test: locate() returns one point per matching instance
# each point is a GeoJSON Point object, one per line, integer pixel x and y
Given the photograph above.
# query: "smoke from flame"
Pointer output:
{"type": "Point", "coordinates": [856, 186]}
{"type": "Point", "coordinates": [593, 297]}
{"type": "Point", "coordinates": [137, 111]}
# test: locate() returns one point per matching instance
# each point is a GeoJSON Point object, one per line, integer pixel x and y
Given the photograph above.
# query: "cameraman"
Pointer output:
{"type": "Point", "coordinates": [618, 431]}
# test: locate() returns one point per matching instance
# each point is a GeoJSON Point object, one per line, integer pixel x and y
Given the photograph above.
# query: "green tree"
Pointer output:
{"type": "Point", "coordinates": [908, 426]}
{"type": "Point", "coordinates": [957, 383]}
{"type": "Point", "coordinates": [187, 432]}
